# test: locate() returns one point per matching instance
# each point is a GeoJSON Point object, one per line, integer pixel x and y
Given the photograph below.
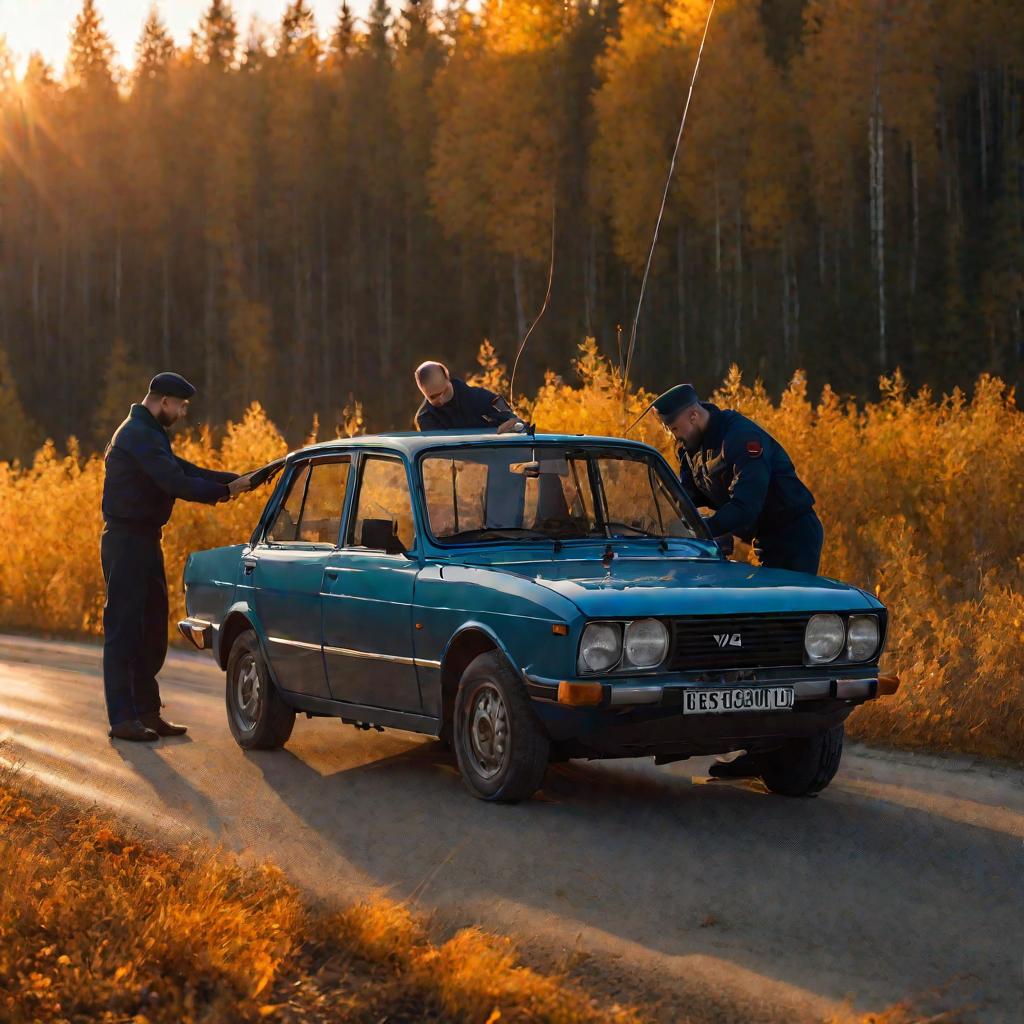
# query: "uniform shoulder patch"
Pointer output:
{"type": "Point", "coordinates": [754, 448]}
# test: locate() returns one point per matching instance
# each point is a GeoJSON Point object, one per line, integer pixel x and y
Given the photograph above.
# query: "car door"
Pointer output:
{"type": "Point", "coordinates": [368, 594]}
{"type": "Point", "coordinates": [287, 570]}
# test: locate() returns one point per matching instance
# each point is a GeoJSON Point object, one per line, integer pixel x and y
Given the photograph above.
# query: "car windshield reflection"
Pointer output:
{"type": "Point", "coordinates": [552, 492]}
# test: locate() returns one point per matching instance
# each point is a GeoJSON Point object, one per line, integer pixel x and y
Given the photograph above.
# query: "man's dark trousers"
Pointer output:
{"type": "Point", "coordinates": [134, 621]}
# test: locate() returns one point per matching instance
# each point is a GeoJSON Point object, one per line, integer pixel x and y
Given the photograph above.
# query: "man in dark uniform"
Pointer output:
{"type": "Point", "coordinates": [452, 404]}
{"type": "Point", "coordinates": [142, 480]}
{"type": "Point", "coordinates": [730, 464]}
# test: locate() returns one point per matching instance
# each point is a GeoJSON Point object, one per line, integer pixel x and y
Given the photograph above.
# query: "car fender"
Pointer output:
{"type": "Point", "coordinates": [247, 612]}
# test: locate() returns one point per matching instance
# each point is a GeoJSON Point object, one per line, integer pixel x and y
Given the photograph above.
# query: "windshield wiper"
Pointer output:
{"type": "Point", "coordinates": [637, 530]}
{"type": "Point", "coordinates": [499, 533]}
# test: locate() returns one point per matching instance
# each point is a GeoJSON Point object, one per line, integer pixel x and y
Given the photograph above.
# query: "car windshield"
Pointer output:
{"type": "Point", "coordinates": [555, 492]}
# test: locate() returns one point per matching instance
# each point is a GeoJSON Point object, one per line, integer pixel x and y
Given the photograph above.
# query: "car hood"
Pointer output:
{"type": "Point", "coordinates": [685, 586]}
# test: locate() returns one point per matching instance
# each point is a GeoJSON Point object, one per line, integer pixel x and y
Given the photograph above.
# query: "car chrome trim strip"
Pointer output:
{"type": "Point", "coordinates": [350, 652]}
{"type": "Point", "coordinates": [636, 694]}
{"type": "Point", "coordinates": [804, 689]}
{"type": "Point", "coordinates": [293, 643]}
{"type": "Point", "coordinates": [397, 659]}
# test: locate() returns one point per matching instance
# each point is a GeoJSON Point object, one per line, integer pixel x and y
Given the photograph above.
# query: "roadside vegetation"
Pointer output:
{"type": "Point", "coordinates": [921, 496]}
{"type": "Point", "coordinates": [97, 925]}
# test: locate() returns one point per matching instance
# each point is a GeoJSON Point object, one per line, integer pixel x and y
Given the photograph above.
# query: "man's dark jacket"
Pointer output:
{"type": "Point", "coordinates": [144, 477]}
{"type": "Point", "coordinates": [743, 473]}
{"type": "Point", "coordinates": [469, 407]}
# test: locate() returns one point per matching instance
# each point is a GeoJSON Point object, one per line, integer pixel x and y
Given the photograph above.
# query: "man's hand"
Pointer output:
{"type": "Point", "coordinates": [240, 485]}
{"type": "Point", "coordinates": [509, 426]}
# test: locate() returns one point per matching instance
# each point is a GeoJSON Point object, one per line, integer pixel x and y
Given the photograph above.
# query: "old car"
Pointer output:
{"type": "Point", "coordinates": [526, 598]}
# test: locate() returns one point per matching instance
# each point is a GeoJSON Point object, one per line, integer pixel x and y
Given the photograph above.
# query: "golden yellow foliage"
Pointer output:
{"type": "Point", "coordinates": [921, 497]}
{"type": "Point", "coordinates": [97, 924]}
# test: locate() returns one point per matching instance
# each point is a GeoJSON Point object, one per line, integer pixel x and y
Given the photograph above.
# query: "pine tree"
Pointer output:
{"type": "Point", "coordinates": [297, 36]}
{"type": "Point", "coordinates": [123, 384]}
{"type": "Point", "coordinates": [154, 50]}
{"type": "Point", "coordinates": [90, 59]}
{"type": "Point", "coordinates": [19, 436]}
{"type": "Point", "coordinates": [216, 42]}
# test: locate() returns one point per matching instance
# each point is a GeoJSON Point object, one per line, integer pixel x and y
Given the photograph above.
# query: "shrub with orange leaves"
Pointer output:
{"type": "Point", "coordinates": [99, 924]}
{"type": "Point", "coordinates": [921, 496]}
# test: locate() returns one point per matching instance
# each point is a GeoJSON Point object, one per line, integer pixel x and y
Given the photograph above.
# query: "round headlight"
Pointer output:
{"type": "Point", "coordinates": [646, 643]}
{"type": "Point", "coordinates": [862, 637]}
{"type": "Point", "coordinates": [824, 638]}
{"type": "Point", "coordinates": [600, 647]}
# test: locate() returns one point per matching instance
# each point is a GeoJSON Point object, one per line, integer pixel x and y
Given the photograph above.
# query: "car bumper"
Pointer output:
{"type": "Point", "coordinates": [642, 717]}
{"type": "Point", "coordinates": [197, 632]}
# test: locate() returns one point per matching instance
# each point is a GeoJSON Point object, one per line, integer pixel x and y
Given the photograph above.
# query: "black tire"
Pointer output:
{"type": "Point", "coordinates": [499, 743]}
{"type": "Point", "coordinates": [265, 722]}
{"type": "Point", "coordinates": [805, 766]}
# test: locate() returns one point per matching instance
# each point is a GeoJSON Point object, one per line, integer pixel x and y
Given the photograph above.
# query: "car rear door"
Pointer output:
{"type": "Point", "coordinates": [287, 570]}
{"type": "Point", "coordinates": [368, 595]}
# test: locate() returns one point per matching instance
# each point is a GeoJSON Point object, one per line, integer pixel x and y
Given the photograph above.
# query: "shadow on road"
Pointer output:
{"type": "Point", "coordinates": [172, 788]}
{"type": "Point", "coordinates": [778, 886]}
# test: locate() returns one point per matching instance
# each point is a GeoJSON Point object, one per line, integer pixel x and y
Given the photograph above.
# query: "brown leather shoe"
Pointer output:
{"type": "Point", "coordinates": [132, 730]}
{"type": "Point", "coordinates": [160, 727]}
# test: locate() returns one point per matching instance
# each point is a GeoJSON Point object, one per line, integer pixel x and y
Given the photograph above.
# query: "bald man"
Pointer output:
{"type": "Point", "coordinates": [452, 404]}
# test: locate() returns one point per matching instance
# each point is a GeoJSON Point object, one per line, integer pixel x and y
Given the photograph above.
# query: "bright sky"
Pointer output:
{"type": "Point", "coordinates": [44, 25]}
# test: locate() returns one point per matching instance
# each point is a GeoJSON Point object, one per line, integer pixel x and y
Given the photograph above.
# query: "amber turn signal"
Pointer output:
{"type": "Point", "coordinates": [579, 694]}
{"type": "Point", "coordinates": [888, 685]}
{"type": "Point", "coordinates": [560, 629]}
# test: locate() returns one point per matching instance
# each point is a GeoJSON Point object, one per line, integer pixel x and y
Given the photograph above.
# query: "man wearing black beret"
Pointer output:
{"type": "Point", "coordinates": [142, 479]}
{"type": "Point", "coordinates": [730, 464]}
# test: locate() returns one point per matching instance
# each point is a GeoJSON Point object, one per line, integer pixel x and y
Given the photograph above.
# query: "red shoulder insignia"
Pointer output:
{"type": "Point", "coordinates": [754, 449]}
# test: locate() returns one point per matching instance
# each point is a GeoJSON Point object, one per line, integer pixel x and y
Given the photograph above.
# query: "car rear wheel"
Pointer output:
{"type": "Point", "coordinates": [805, 766]}
{"type": "Point", "coordinates": [500, 746]}
{"type": "Point", "coordinates": [257, 716]}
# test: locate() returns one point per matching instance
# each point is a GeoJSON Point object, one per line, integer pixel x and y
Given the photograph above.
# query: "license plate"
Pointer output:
{"type": "Point", "coordinates": [720, 702]}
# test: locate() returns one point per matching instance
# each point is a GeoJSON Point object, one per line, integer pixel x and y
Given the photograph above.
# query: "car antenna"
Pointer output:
{"type": "Point", "coordinates": [543, 309]}
{"type": "Point", "coordinates": [661, 213]}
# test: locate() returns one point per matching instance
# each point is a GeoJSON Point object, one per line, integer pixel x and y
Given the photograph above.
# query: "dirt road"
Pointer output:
{"type": "Point", "coordinates": [905, 877]}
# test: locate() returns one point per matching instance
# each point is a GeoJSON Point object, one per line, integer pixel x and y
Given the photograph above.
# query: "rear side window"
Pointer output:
{"type": "Point", "coordinates": [384, 494]}
{"type": "Point", "coordinates": [312, 508]}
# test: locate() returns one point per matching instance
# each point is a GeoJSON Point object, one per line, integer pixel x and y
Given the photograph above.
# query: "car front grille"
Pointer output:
{"type": "Point", "coordinates": [764, 641]}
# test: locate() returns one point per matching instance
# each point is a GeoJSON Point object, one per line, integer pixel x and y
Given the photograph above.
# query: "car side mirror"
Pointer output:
{"type": "Point", "coordinates": [380, 535]}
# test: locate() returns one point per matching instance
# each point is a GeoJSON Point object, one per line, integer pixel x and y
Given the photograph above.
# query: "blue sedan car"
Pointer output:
{"type": "Point", "coordinates": [527, 599]}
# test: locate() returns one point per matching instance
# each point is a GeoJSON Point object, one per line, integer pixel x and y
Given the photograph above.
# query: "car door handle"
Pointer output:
{"type": "Point", "coordinates": [250, 565]}
{"type": "Point", "coordinates": [330, 574]}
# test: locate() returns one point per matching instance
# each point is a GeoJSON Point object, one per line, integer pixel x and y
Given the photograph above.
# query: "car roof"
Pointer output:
{"type": "Point", "coordinates": [412, 442]}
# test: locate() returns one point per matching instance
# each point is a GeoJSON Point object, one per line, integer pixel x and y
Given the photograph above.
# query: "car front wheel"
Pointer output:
{"type": "Point", "coordinates": [500, 746]}
{"type": "Point", "coordinates": [805, 766]}
{"type": "Point", "coordinates": [257, 716]}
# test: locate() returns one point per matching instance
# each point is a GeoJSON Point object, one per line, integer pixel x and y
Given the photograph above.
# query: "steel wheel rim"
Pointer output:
{"type": "Point", "coordinates": [488, 728]}
{"type": "Point", "coordinates": [248, 693]}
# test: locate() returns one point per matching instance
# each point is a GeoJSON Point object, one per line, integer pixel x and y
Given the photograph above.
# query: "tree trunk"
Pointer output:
{"type": "Point", "coordinates": [915, 219]}
{"type": "Point", "coordinates": [165, 313]}
{"type": "Point", "coordinates": [876, 138]}
{"type": "Point", "coordinates": [737, 314]}
{"type": "Point", "coordinates": [517, 290]}
{"type": "Point", "coordinates": [326, 361]}
{"type": "Point", "coordinates": [681, 294]}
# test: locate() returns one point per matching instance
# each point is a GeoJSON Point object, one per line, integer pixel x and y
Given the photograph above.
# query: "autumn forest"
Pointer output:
{"type": "Point", "coordinates": [299, 213]}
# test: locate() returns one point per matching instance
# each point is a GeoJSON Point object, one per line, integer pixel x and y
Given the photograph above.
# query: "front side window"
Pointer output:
{"type": "Point", "coordinates": [285, 527]}
{"type": "Point", "coordinates": [312, 508]}
{"type": "Point", "coordinates": [550, 491]}
{"type": "Point", "coordinates": [383, 499]}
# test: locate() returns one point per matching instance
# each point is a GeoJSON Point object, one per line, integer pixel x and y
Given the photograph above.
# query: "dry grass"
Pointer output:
{"type": "Point", "coordinates": [922, 499]}
{"type": "Point", "coordinates": [96, 925]}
